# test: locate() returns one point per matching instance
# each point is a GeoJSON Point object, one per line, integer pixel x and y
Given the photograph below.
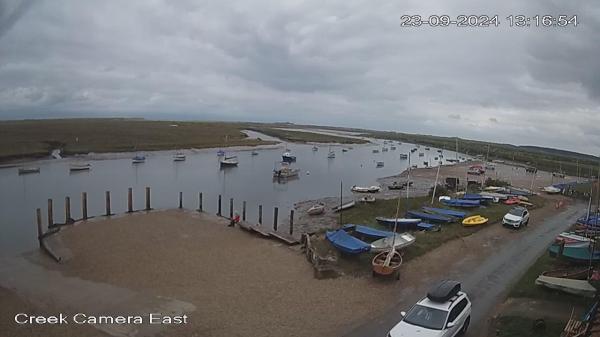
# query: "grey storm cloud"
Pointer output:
{"type": "Point", "coordinates": [342, 62]}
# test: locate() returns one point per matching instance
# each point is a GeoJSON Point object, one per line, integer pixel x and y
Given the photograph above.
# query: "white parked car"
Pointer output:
{"type": "Point", "coordinates": [445, 312]}
{"type": "Point", "coordinates": [516, 217]}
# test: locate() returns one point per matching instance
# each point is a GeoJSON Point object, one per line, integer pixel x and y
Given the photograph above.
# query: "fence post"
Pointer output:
{"type": "Point", "coordinates": [275, 213]}
{"type": "Point", "coordinates": [39, 226]}
{"type": "Point", "coordinates": [148, 199]}
{"type": "Point", "coordinates": [260, 214]}
{"type": "Point", "coordinates": [219, 206]}
{"type": "Point", "coordinates": [50, 214]}
{"type": "Point", "coordinates": [291, 222]}
{"type": "Point", "coordinates": [180, 199]}
{"type": "Point", "coordinates": [107, 203]}
{"type": "Point", "coordinates": [244, 211]}
{"type": "Point", "coordinates": [84, 205]}
{"type": "Point", "coordinates": [129, 200]}
{"type": "Point", "coordinates": [200, 202]}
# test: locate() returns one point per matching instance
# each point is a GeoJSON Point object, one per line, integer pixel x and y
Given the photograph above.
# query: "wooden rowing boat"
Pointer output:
{"type": "Point", "coordinates": [387, 263]}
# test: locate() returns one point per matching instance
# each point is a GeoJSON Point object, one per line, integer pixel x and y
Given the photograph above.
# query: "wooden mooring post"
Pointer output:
{"type": "Point", "coordinates": [40, 230]}
{"type": "Point", "coordinates": [219, 206]}
{"type": "Point", "coordinates": [291, 222]}
{"type": "Point", "coordinates": [231, 221]}
{"type": "Point", "coordinates": [68, 218]}
{"type": "Point", "coordinates": [84, 213]}
{"type": "Point", "coordinates": [148, 199]}
{"type": "Point", "coordinates": [275, 214]}
{"type": "Point", "coordinates": [108, 203]}
{"type": "Point", "coordinates": [200, 202]}
{"type": "Point", "coordinates": [180, 200]}
{"type": "Point", "coordinates": [244, 210]}
{"type": "Point", "coordinates": [260, 214]}
{"type": "Point", "coordinates": [50, 214]}
{"type": "Point", "coordinates": [130, 200]}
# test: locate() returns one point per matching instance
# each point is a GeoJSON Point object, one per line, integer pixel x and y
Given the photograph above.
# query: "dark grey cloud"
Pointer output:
{"type": "Point", "coordinates": [343, 63]}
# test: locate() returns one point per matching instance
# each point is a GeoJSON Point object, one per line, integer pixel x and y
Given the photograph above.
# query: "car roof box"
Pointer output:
{"type": "Point", "coordinates": [444, 291]}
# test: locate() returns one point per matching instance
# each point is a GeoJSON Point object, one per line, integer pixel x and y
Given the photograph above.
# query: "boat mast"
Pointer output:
{"type": "Point", "coordinates": [456, 148]}
{"type": "Point", "coordinates": [341, 198]}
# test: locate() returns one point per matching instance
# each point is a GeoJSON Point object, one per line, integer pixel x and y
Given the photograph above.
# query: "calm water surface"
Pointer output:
{"type": "Point", "coordinates": [251, 181]}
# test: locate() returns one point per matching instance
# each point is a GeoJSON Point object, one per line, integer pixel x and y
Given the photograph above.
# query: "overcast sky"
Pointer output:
{"type": "Point", "coordinates": [337, 62]}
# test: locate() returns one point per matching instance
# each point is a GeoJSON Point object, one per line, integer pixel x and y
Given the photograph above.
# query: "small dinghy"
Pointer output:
{"type": "Point", "coordinates": [375, 151]}
{"type": "Point", "coordinates": [79, 167]}
{"type": "Point", "coordinates": [380, 164]}
{"type": "Point", "coordinates": [370, 189]}
{"type": "Point", "coordinates": [314, 148]}
{"type": "Point", "coordinates": [401, 240]}
{"type": "Point", "coordinates": [179, 157]}
{"type": "Point", "coordinates": [29, 170]}
{"type": "Point", "coordinates": [387, 263]}
{"type": "Point", "coordinates": [254, 153]}
{"type": "Point", "coordinates": [551, 190]}
{"type": "Point", "coordinates": [229, 161]}
{"type": "Point", "coordinates": [220, 153]}
{"type": "Point", "coordinates": [344, 150]}
{"type": "Point", "coordinates": [367, 199]}
{"type": "Point", "coordinates": [316, 209]}
{"type": "Point", "coordinates": [138, 160]}
{"type": "Point", "coordinates": [474, 220]}
{"type": "Point", "coordinates": [287, 157]}
{"type": "Point", "coordinates": [331, 155]}
{"type": "Point", "coordinates": [392, 148]}
{"type": "Point", "coordinates": [403, 156]}
{"type": "Point", "coordinates": [401, 221]}
{"type": "Point", "coordinates": [344, 206]}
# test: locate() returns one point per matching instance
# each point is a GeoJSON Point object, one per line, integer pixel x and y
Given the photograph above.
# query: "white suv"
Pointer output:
{"type": "Point", "coordinates": [516, 217]}
{"type": "Point", "coordinates": [445, 312]}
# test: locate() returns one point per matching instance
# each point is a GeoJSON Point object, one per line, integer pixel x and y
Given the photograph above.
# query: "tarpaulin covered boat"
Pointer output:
{"type": "Point", "coordinates": [461, 203]}
{"type": "Point", "coordinates": [444, 211]}
{"type": "Point", "coordinates": [429, 216]}
{"type": "Point", "coordinates": [346, 243]}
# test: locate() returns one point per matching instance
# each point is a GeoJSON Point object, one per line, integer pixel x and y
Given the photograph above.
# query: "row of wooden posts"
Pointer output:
{"type": "Point", "coordinates": [108, 212]}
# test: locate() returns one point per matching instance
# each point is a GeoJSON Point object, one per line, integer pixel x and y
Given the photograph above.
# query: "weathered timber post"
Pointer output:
{"type": "Point", "coordinates": [148, 199]}
{"type": "Point", "coordinates": [130, 200]}
{"type": "Point", "coordinates": [260, 214]}
{"type": "Point", "coordinates": [39, 226]}
{"type": "Point", "coordinates": [50, 214]}
{"type": "Point", "coordinates": [219, 206]}
{"type": "Point", "coordinates": [84, 205]}
{"type": "Point", "coordinates": [275, 213]}
{"type": "Point", "coordinates": [180, 199]}
{"type": "Point", "coordinates": [231, 222]}
{"type": "Point", "coordinates": [200, 202]}
{"type": "Point", "coordinates": [291, 222]}
{"type": "Point", "coordinates": [107, 203]}
{"type": "Point", "coordinates": [68, 218]}
{"type": "Point", "coordinates": [244, 211]}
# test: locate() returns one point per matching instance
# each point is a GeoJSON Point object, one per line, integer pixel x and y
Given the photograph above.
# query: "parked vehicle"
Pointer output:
{"type": "Point", "coordinates": [516, 217]}
{"type": "Point", "coordinates": [445, 312]}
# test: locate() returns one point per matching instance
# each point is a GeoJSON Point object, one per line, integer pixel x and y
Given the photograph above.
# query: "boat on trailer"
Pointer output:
{"type": "Point", "coordinates": [387, 263]}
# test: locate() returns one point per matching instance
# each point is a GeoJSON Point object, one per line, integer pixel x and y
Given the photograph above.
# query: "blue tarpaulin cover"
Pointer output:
{"type": "Point", "coordinates": [426, 226]}
{"type": "Point", "coordinates": [445, 211]}
{"type": "Point", "coordinates": [347, 243]}
{"type": "Point", "coordinates": [461, 203]}
{"type": "Point", "coordinates": [368, 231]}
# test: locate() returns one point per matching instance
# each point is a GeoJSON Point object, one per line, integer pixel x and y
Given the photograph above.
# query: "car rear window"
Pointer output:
{"type": "Point", "coordinates": [426, 317]}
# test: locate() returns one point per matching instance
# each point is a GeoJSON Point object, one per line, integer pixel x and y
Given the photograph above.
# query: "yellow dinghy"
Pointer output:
{"type": "Point", "coordinates": [474, 220]}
